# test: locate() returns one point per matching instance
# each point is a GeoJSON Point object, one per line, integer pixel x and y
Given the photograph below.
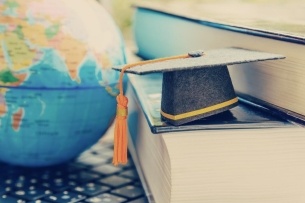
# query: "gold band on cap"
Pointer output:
{"type": "Point", "coordinates": [121, 112]}
{"type": "Point", "coordinates": [200, 111]}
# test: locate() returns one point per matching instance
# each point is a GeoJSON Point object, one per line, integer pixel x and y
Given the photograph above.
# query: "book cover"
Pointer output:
{"type": "Point", "coordinates": [269, 20]}
{"type": "Point", "coordinates": [148, 92]}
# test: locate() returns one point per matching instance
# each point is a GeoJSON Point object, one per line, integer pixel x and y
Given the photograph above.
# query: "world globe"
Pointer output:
{"type": "Point", "coordinates": [57, 89]}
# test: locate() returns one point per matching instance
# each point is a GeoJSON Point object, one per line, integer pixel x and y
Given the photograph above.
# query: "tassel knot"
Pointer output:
{"type": "Point", "coordinates": [122, 101]}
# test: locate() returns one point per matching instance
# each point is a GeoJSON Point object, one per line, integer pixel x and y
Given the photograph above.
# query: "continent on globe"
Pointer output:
{"type": "Point", "coordinates": [18, 54]}
{"type": "Point", "coordinates": [16, 119]}
{"type": "Point", "coordinates": [2, 106]}
{"type": "Point", "coordinates": [57, 89]}
{"type": "Point", "coordinates": [74, 53]}
{"type": "Point", "coordinates": [6, 76]}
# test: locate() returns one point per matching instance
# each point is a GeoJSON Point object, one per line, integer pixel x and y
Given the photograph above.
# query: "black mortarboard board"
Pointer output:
{"type": "Point", "coordinates": [198, 86]}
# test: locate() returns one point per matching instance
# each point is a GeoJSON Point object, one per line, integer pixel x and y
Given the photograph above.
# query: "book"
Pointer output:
{"type": "Point", "coordinates": [166, 29]}
{"type": "Point", "coordinates": [243, 155]}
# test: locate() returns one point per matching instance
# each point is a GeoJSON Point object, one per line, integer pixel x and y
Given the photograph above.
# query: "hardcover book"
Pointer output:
{"type": "Point", "coordinates": [241, 155]}
{"type": "Point", "coordinates": [169, 29]}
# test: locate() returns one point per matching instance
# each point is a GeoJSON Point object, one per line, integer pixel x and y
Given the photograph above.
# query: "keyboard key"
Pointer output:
{"type": "Point", "coordinates": [58, 184]}
{"type": "Point", "coordinates": [65, 197]}
{"type": "Point", "coordinates": [4, 189]}
{"type": "Point", "coordinates": [26, 182]}
{"type": "Point", "coordinates": [107, 198]}
{"type": "Point", "coordinates": [105, 152]}
{"type": "Point", "coordinates": [9, 199]}
{"type": "Point", "coordinates": [85, 154]}
{"type": "Point", "coordinates": [83, 177]}
{"type": "Point", "coordinates": [139, 200]}
{"type": "Point", "coordinates": [72, 167]}
{"type": "Point", "coordinates": [39, 201]}
{"type": "Point", "coordinates": [129, 191]}
{"type": "Point", "coordinates": [106, 169]}
{"type": "Point", "coordinates": [115, 181]}
{"type": "Point", "coordinates": [14, 180]}
{"type": "Point", "coordinates": [92, 161]}
{"type": "Point", "coordinates": [91, 189]}
{"type": "Point", "coordinates": [132, 173]}
{"type": "Point", "coordinates": [48, 173]}
{"type": "Point", "coordinates": [138, 184]}
{"type": "Point", "coordinates": [127, 166]}
{"type": "Point", "coordinates": [31, 193]}
{"type": "Point", "coordinates": [100, 146]}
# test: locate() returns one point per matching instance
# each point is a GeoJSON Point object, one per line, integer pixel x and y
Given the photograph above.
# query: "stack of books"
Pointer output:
{"type": "Point", "coordinates": [252, 153]}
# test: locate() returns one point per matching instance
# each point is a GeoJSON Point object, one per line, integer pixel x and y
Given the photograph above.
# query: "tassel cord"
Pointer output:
{"type": "Point", "coordinates": [120, 130]}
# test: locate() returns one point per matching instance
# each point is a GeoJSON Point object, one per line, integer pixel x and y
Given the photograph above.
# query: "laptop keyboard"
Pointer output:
{"type": "Point", "coordinates": [91, 178]}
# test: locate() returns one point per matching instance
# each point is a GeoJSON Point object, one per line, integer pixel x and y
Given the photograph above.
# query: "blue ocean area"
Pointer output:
{"type": "Point", "coordinates": [61, 117]}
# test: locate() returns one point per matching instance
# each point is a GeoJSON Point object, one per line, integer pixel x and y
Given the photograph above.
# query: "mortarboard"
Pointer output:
{"type": "Point", "coordinates": [195, 85]}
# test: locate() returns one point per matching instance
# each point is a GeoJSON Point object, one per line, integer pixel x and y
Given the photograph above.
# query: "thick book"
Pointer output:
{"type": "Point", "coordinates": [169, 29]}
{"type": "Point", "coordinates": [243, 155]}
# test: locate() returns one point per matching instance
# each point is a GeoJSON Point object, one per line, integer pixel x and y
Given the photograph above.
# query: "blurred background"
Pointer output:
{"type": "Point", "coordinates": [122, 11]}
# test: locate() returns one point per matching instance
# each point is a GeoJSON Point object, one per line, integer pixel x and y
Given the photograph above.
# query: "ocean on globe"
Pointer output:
{"type": "Point", "coordinates": [57, 89]}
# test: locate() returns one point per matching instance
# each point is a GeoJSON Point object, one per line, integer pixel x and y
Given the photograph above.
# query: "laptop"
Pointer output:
{"type": "Point", "coordinates": [90, 178]}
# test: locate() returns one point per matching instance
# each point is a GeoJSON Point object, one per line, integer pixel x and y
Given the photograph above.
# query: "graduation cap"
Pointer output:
{"type": "Point", "coordinates": [195, 85]}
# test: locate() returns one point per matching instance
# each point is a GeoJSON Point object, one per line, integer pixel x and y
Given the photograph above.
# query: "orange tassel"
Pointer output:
{"type": "Point", "coordinates": [120, 130]}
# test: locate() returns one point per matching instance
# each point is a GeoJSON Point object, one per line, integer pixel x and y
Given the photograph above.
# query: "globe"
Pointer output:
{"type": "Point", "coordinates": [57, 89]}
